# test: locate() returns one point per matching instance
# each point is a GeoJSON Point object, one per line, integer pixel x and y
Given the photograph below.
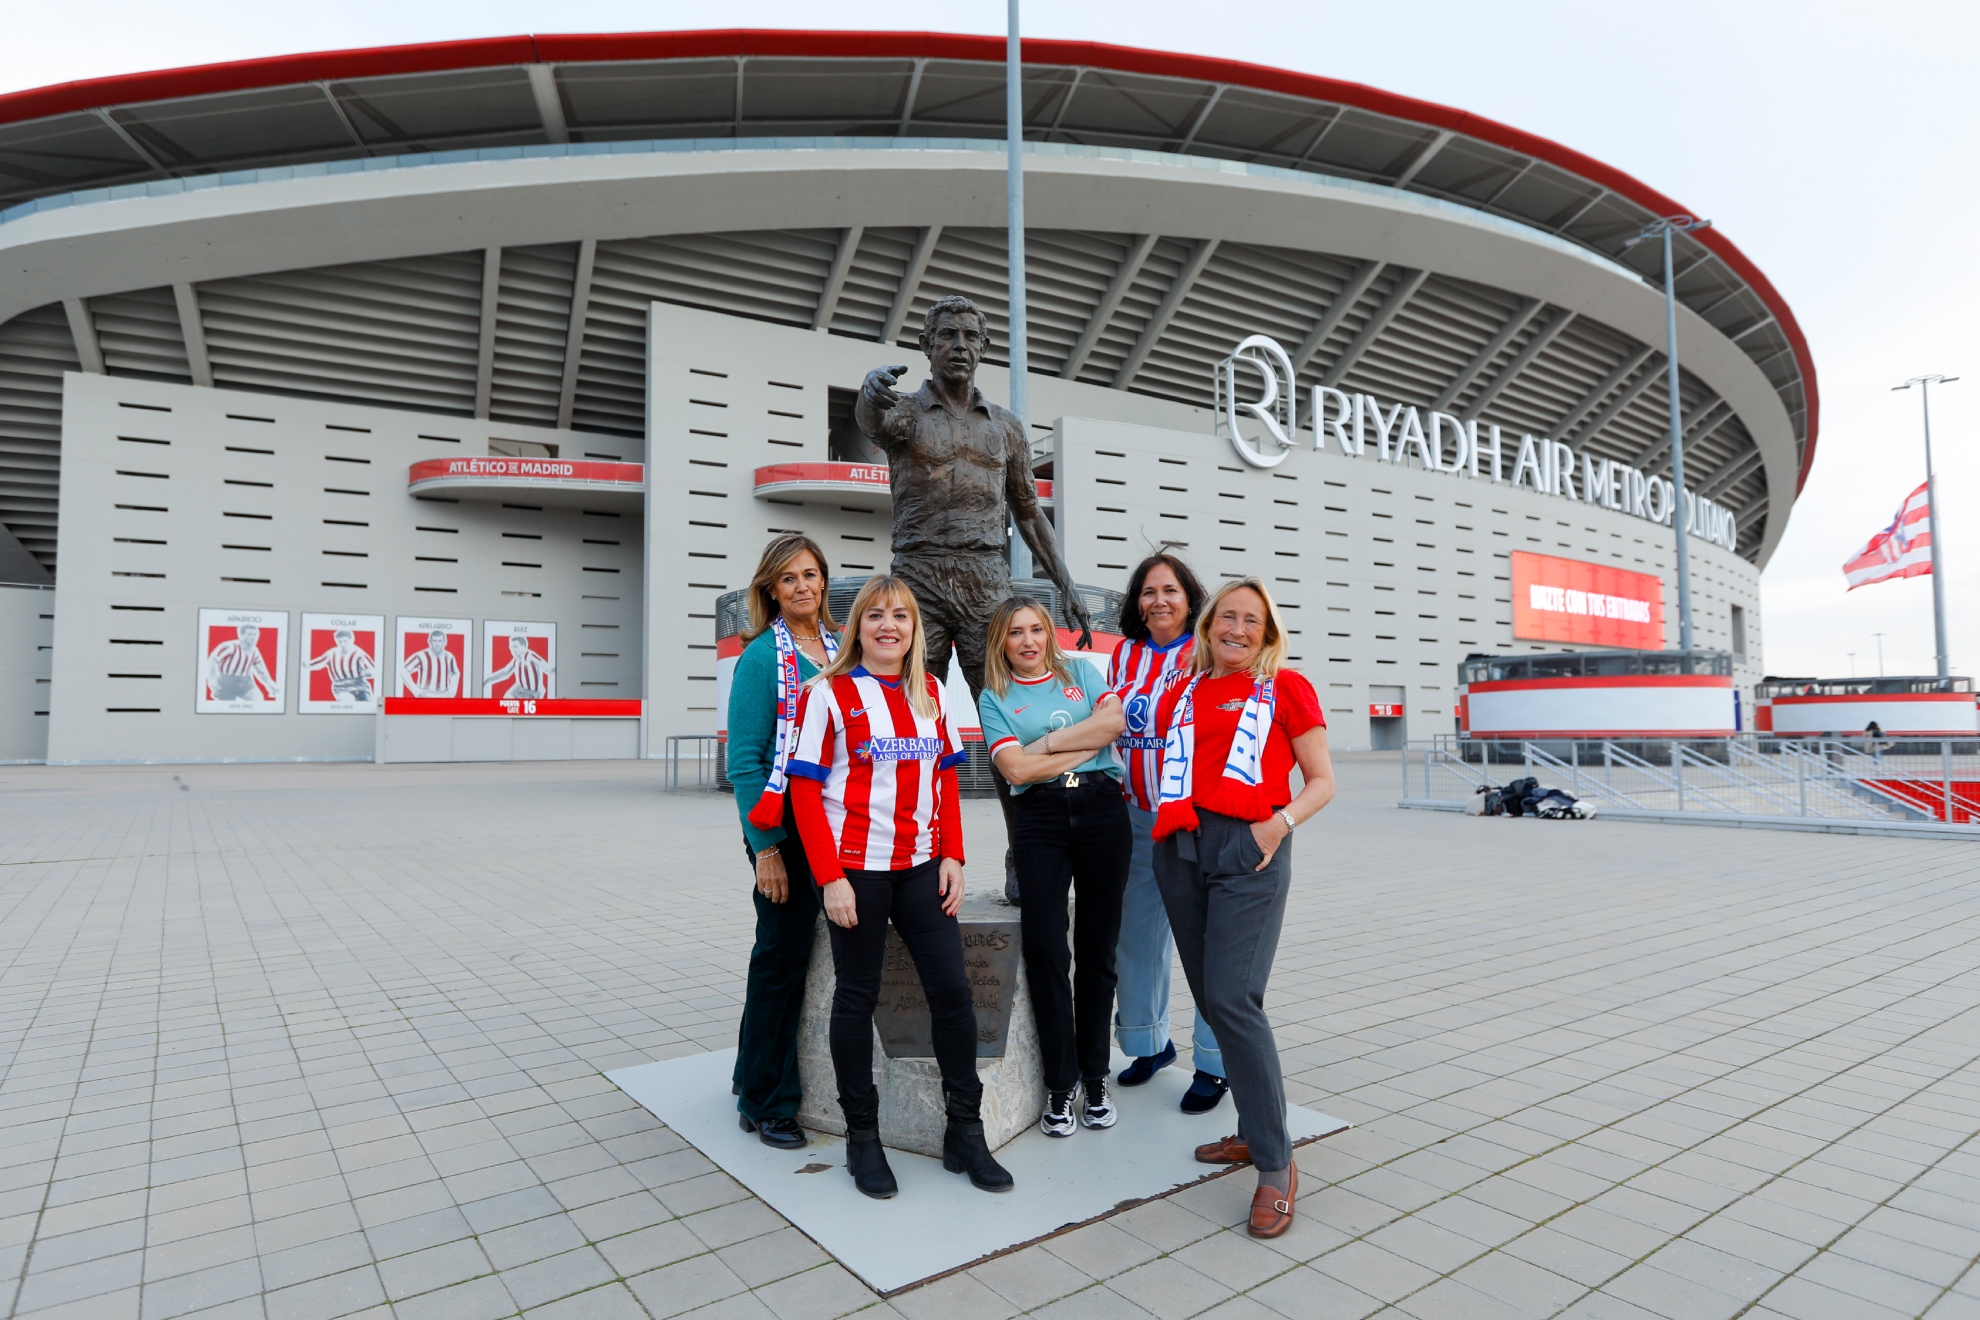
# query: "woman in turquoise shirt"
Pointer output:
{"type": "Point", "coordinates": [791, 637]}
{"type": "Point", "coordinates": [1050, 723]}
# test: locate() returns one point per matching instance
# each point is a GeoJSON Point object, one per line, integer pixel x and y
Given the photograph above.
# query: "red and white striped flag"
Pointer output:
{"type": "Point", "coordinates": [1902, 550]}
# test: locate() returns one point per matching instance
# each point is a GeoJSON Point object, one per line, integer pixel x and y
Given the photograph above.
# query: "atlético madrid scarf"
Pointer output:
{"type": "Point", "coordinates": [1175, 808]}
{"type": "Point", "coordinates": [768, 813]}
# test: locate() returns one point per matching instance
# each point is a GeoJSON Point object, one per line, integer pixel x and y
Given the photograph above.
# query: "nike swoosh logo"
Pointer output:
{"type": "Point", "coordinates": [1020, 710]}
{"type": "Point", "coordinates": [856, 712]}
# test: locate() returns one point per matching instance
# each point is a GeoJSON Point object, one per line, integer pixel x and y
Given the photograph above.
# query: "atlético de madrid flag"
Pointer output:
{"type": "Point", "coordinates": [1902, 550]}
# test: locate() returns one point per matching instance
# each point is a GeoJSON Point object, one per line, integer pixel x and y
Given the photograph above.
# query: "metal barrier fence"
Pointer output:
{"type": "Point", "coordinates": [711, 762]}
{"type": "Point", "coordinates": [1886, 780]}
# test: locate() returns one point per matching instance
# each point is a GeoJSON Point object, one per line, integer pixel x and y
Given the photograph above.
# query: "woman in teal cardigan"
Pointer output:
{"type": "Point", "coordinates": [791, 637]}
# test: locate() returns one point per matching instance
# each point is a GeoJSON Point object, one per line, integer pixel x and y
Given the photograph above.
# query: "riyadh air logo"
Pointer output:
{"type": "Point", "coordinates": [1140, 709]}
{"type": "Point", "coordinates": [1275, 407]}
{"type": "Point", "coordinates": [899, 749]}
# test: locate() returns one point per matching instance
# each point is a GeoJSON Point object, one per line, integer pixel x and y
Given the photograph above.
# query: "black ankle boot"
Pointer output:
{"type": "Point", "coordinates": [965, 1151]}
{"type": "Point", "coordinates": [866, 1161]}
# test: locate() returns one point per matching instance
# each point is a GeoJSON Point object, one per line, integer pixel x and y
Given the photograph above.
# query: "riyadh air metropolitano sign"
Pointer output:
{"type": "Point", "coordinates": [1362, 426]}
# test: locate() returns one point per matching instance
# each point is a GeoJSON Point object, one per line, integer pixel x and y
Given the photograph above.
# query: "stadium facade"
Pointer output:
{"type": "Point", "coordinates": [530, 342]}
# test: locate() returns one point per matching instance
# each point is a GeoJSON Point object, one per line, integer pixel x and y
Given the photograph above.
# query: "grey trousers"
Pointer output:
{"type": "Point", "coordinates": [1226, 919]}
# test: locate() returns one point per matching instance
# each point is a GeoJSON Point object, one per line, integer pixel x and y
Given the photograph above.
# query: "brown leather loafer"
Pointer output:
{"type": "Point", "coordinates": [1271, 1210]}
{"type": "Point", "coordinates": [1224, 1150]}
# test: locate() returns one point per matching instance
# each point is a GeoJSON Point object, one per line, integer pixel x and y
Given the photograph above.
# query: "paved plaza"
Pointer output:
{"type": "Point", "coordinates": [314, 1041]}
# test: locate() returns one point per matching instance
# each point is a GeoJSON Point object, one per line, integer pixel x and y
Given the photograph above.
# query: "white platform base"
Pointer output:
{"type": "Point", "coordinates": [939, 1223]}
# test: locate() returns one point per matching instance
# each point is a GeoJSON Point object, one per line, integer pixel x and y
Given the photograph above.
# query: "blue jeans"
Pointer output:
{"type": "Point", "coordinates": [1141, 1018]}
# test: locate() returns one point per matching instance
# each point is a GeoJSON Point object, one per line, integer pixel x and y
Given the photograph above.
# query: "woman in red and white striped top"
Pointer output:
{"type": "Point", "coordinates": [873, 786]}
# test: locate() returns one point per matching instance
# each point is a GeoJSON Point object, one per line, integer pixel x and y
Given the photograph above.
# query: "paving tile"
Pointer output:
{"type": "Point", "coordinates": [1169, 1288]}
{"type": "Point", "coordinates": [1307, 1294]}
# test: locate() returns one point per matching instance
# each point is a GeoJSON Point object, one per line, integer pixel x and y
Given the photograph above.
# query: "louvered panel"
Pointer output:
{"type": "Point", "coordinates": [1138, 304]}
{"type": "Point", "coordinates": [401, 333]}
{"type": "Point", "coordinates": [1251, 290]}
{"type": "Point", "coordinates": [768, 275]}
{"type": "Point", "coordinates": [140, 335]}
{"type": "Point", "coordinates": [1557, 382]}
{"type": "Point", "coordinates": [532, 323]}
{"type": "Point", "coordinates": [872, 281]}
{"type": "Point", "coordinates": [35, 349]}
{"type": "Point", "coordinates": [1437, 332]}
{"type": "Point", "coordinates": [1066, 272]}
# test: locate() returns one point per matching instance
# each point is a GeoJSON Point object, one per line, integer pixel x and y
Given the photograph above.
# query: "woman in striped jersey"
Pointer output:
{"type": "Point", "coordinates": [874, 791]}
{"type": "Point", "coordinates": [1157, 615]}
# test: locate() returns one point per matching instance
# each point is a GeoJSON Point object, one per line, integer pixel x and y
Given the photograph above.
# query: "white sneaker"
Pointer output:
{"type": "Point", "coordinates": [1058, 1119]}
{"type": "Point", "coordinates": [1099, 1111]}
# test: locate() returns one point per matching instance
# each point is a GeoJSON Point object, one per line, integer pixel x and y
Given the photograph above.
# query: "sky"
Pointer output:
{"type": "Point", "coordinates": [1830, 141]}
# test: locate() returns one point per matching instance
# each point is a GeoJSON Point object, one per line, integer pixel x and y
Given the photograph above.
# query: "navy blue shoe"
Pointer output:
{"type": "Point", "coordinates": [1147, 1066]}
{"type": "Point", "coordinates": [1205, 1093]}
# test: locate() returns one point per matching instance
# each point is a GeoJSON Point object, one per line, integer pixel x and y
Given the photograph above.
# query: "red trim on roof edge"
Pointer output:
{"type": "Point", "coordinates": [586, 48]}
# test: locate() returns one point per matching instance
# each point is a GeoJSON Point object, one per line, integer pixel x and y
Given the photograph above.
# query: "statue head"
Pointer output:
{"type": "Point", "coordinates": [954, 335]}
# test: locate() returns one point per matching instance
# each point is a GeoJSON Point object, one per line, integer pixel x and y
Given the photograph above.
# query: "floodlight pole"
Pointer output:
{"type": "Point", "coordinates": [1925, 384]}
{"type": "Point", "coordinates": [1014, 208]}
{"type": "Point", "coordinates": [1663, 228]}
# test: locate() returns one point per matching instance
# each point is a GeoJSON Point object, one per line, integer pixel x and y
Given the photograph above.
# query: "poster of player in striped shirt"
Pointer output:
{"type": "Point", "coordinates": [433, 657]}
{"type": "Point", "coordinates": [519, 659]}
{"type": "Point", "coordinates": [242, 654]}
{"type": "Point", "coordinates": [340, 664]}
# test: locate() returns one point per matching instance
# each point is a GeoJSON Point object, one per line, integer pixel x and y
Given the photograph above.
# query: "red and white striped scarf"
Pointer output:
{"type": "Point", "coordinates": [1176, 808]}
{"type": "Point", "coordinates": [768, 813]}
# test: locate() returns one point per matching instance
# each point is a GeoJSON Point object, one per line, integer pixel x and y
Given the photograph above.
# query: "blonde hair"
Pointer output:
{"type": "Point", "coordinates": [997, 661]}
{"type": "Point", "coordinates": [762, 597]}
{"type": "Point", "coordinates": [1271, 654]}
{"type": "Point", "coordinates": [886, 589]}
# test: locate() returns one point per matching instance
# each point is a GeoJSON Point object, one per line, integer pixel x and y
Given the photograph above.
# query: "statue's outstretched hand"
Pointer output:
{"type": "Point", "coordinates": [1076, 608]}
{"type": "Point", "coordinates": [879, 390]}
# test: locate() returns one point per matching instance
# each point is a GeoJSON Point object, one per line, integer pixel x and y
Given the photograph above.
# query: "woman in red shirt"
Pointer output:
{"type": "Point", "coordinates": [1223, 854]}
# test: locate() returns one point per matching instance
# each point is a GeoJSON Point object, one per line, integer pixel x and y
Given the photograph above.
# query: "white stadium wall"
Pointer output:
{"type": "Point", "coordinates": [27, 639]}
{"type": "Point", "coordinates": [177, 499]}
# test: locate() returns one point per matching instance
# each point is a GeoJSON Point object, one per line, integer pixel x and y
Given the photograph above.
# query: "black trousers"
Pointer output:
{"type": "Point", "coordinates": [766, 1046]}
{"type": "Point", "coordinates": [912, 901]}
{"type": "Point", "coordinates": [1075, 840]}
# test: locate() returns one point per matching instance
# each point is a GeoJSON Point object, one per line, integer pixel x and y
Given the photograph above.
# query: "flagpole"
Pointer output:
{"type": "Point", "coordinates": [1925, 384]}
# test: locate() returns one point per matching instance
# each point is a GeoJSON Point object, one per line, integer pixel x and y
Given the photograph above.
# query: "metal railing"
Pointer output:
{"type": "Point", "coordinates": [702, 751]}
{"type": "Point", "coordinates": [1887, 780]}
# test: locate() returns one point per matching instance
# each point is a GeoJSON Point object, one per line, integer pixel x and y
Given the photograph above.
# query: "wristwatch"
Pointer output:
{"type": "Point", "coordinates": [1286, 816]}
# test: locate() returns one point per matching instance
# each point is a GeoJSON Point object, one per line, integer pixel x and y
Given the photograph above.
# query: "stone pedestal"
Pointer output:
{"type": "Point", "coordinates": [904, 1071]}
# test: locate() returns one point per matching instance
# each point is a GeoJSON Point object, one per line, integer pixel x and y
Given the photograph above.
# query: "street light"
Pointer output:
{"type": "Point", "coordinates": [1880, 653]}
{"type": "Point", "coordinates": [1925, 384]}
{"type": "Point", "coordinates": [1663, 228]}
{"type": "Point", "coordinates": [1014, 219]}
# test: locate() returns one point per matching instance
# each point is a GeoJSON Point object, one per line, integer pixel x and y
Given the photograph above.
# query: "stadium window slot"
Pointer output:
{"type": "Point", "coordinates": [434, 559]}
{"type": "Point", "coordinates": [1181, 490]}
{"type": "Point", "coordinates": [349, 554]}
{"type": "Point", "coordinates": [122, 710]}
{"type": "Point", "coordinates": [225, 546]}
{"type": "Point", "coordinates": [436, 499]}
{"type": "Point", "coordinates": [693, 523]}
{"type": "Point", "coordinates": [533, 595]}
{"type": "Point", "coordinates": [443, 439]}
{"type": "Point", "coordinates": [140, 440]}
{"type": "Point", "coordinates": [851, 536]}
{"type": "Point", "coordinates": [707, 462]}
{"type": "Point", "coordinates": [136, 540]}
{"type": "Point", "coordinates": [344, 522]}
{"type": "Point", "coordinates": [1115, 481]}
{"type": "Point", "coordinates": [155, 476]}
{"type": "Point", "coordinates": [590, 541]}
{"type": "Point", "coordinates": [592, 569]}
{"type": "Point", "coordinates": [720, 495]}
{"type": "Point", "coordinates": [444, 591]}
{"type": "Point", "coordinates": [525, 508]}
{"type": "Point", "coordinates": [1110, 538]}
{"type": "Point", "coordinates": [702, 586]}
{"type": "Point", "coordinates": [587, 682]}
{"type": "Point", "coordinates": [359, 586]}
{"type": "Point", "coordinates": [1293, 503]}
{"type": "Point", "coordinates": [524, 536]}
{"type": "Point", "coordinates": [144, 407]}
{"type": "Point", "coordinates": [719, 435]}
{"type": "Point", "coordinates": [249, 449]}
{"type": "Point", "coordinates": [260, 582]}
{"type": "Point", "coordinates": [1101, 508]}
{"type": "Point", "coordinates": [1295, 581]}
{"type": "Point", "coordinates": [516, 563]}
{"type": "Point", "coordinates": [600, 513]}
{"type": "Point", "coordinates": [1179, 517]}
{"type": "Point", "coordinates": [145, 508]}
{"type": "Point", "coordinates": [708, 403]}
{"type": "Point", "coordinates": [339, 458]}
{"type": "Point", "coordinates": [134, 675]}
{"type": "Point", "coordinates": [450, 531]}
{"type": "Point", "coordinates": [132, 574]}
{"type": "Point", "coordinates": [1385, 540]}
{"type": "Point", "coordinates": [338, 490]}
{"type": "Point", "coordinates": [794, 416]}
{"type": "Point", "coordinates": [1177, 462]}
{"type": "Point", "coordinates": [236, 481]}
{"type": "Point", "coordinates": [703, 371]}
{"type": "Point", "coordinates": [789, 444]}
{"type": "Point", "coordinates": [792, 504]}
{"type": "Point", "coordinates": [1281, 527]}
{"type": "Point", "coordinates": [334, 426]}
{"type": "Point", "coordinates": [134, 641]}
{"type": "Point", "coordinates": [847, 509]}
{"type": "Point", "coordinates": [697, 616]}
{"type": "Point", "coordinates": [785, 385]}
{"type": "Point", "coordinates": [1235, 549]}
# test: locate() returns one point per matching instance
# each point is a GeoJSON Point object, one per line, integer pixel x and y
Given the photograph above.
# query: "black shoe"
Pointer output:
{"type": "Point", "coordinates": [965, 1151]}
{"type": "Point", "coordinates": [1147, 1066]}
{"type": "Point", "coordinates": [866, 1161]}
{"type": "Point", "coordinates": [783, 1133]}
{"type": "Point", "coordinates": [1205, 1093]}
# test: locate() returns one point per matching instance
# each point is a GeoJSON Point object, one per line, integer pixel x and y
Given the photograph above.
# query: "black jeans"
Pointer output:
{"type": "Point", "coordinates": [912, 901]}
{"type": "Point", "coordinates": [1076, 839]}
{"type": "Point", "coordinates": [766, 1045]}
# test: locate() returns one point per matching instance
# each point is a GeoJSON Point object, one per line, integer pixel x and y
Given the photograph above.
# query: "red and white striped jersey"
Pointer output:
{"type": "Point", "coordinates": [231, 657]}
{"type": "Point", "coordinates": [1141, 672]}
{"type": "Point", "coordinates": [433, 674]}
{"type": "Point", "coordinates": [529, 675]}
{"type": "Point", "coordinates": [878, 764]}
{"type": "Point", "coordinates": [344, 665]}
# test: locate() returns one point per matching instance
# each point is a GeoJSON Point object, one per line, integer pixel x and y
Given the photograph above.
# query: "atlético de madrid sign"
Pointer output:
{"type": "Point", "coordinates": [1440, 442]}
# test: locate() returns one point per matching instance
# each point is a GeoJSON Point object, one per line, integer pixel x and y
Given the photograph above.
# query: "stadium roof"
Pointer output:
{"type": "Point", "coordinates": [523, 90]}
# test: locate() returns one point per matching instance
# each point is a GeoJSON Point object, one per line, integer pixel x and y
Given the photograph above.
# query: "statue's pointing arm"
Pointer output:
{"type": "Point", "coordinates": [877, 412]}
{"type": "Point", "coordinates": [1036, 529]}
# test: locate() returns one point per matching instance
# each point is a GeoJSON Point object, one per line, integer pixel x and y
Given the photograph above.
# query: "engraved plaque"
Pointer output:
{"type": "Point", "coordinates": [990, 956]}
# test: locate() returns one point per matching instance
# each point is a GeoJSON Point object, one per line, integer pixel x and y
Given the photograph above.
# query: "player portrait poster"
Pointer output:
{"type": "Point", "coordinates": [433, 657]}
{"type": "Point", "coordinates": [518, 659]}
{"type": "Point", "coordinates": [242, 655]}
{"type": "Point", "coordinates": [340, 673]}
